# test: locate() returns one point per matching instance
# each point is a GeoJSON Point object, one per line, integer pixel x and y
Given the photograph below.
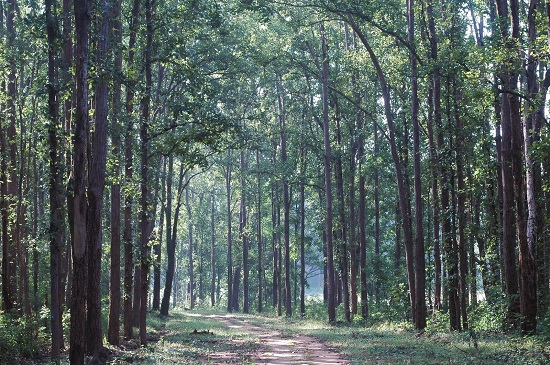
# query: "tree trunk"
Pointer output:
{"type": "Point", "coordinates": [328, 184]}
{"type": "Point", "coordinates": [144, 136]}
{"type": "Point", "coordinates": [344, 260]}
{"type": "Point", "coordinates": [213, 252]}
{"type": "Point", "coordinates": [244, 234]}
{"type": "Point", "coordinates": [170, 247]}
{"type": "Point", "coordinates": [96, 186]}
{"type": "Point", "coordinates": [259, 237]}
{"type": "Point", "coordinates": [274, 227]}
{"type": "Point", "coordinates": [462, 216]}
{"type": "Point", "coordinates": [286, 200]}
{"type": "Point", "coordinates": [190, 252]}
{"type": "Point", "coordinates": [82, 10]}
{"type": "Point", "coordinates": [157, 253]}
{"type": "Point", "coordinates": [362, 230]}
{"type": "Point", "coordinates": [56, 181]}
{"type": "Point", "coordinates": [303, 152]}
{"type": "Point", "coordinates": [377, 258]}
{"type": "Point", "coordinates": [419, 307]}
{"type": "Point", "coordinates": [128, 176]}
{"type": "Point", "coordinates": [113, 335]}
{"type": "Point", "coordinates": [229, 235]}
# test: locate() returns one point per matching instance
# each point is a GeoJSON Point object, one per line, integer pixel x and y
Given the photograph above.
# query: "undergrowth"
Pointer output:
{"type": "Point", "coordinates": [21, 338]}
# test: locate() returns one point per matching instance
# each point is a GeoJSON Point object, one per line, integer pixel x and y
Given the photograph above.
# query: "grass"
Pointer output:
{"type": "Point", "coordinates": [201, 337]}
{"type": "Point", "coordinates": [193, 338]}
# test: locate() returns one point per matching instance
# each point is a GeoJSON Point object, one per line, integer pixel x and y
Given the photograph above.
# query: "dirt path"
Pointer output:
{"type": "Point", "coordinates": [276, 348]}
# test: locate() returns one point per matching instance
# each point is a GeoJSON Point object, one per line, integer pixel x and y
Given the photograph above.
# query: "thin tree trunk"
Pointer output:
{"type": "Point", "coordinates": [213, 252]}
{"type": "Point", "coordinates": [328, 184]}
{"type": "Point", "coordinates": [259, 237]}
{"type": "Point", "coordinates": [113, 335]}
{"type": "Point", "coordinates": [190, 252]}
{"type": "Point", "coordinates": [303, 152]}
{"type": "Point", "coordinates": [286, 201]}
{"type": "Point", "coordinates": [157, 248]}
{"type": "Point", "coordinates": [128, 177]}
{"type": "Point", "coordinates": [229, 235]}
{"type": "Point", "coordinates": [462, 216]}
{"type": "Point", "coordinates": [344, 261]}
{"type": "Point", "coordinates": [435, 109]}
{"type": "Point", "coordinates": [55, 180]}
{"type": "Point", "coordinates": [377, 257]}
{"type": "Point", "coordinates": [274, 287]}
{"type": "Point", "coordinates": [362, 229]}
{"type": "Point", "coordinates": [82, 10]}
{"type": "Point", "coordinates": [170, 247]}
{"type": "Point", "coordinates": [144, 136]}
{"type": "Point", "coordinates": [244, 234]}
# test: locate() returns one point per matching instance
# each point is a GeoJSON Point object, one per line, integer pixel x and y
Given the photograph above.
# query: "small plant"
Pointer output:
{"type": "Point", "coordinates": [19, 338]}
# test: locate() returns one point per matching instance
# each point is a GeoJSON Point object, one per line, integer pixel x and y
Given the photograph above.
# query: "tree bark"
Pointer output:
{"type": "Point", "coordinates": [531, 133]}
{"type": "Point", "coordinates": [303, 153]}
{"type": "Point", "coordinates": [213, 251]}
{"type": "Point", "coordinates": [244, 234]}
{"type": "Point", "coordinates": [419, 259]}
{"type": "Point", "coordinates": [96, 186]}
{"type": "Point", "coordinates": [190, 251]}
{"type": "Point", "coordinates": [259, 237]}
{"type": "Point", "coordinates": [508, 112]}
{"type": "Point", "coordinates": [128, 176]}
{"type": "Point", "coordinates": [56, 181]}
{"type": "Point", "coordinates": [328, 184]}
{"type": "Point", "coordinates": [157, 248]}
{"type": "Point", "coordinates": [113, 334]}
{"type": "Point", "coordinates": [229, 235]}
{"type": "Point", "coordinates": [144, 136]}
{"type": "Point", "coordinates": [82, 10]}
{"type": "Point", "coordinates": [286, 200]}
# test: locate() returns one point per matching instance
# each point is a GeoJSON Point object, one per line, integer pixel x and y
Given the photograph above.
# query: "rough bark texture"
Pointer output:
{"type": "Point", "coordinates": [80, 266]}
{"type": "Point", "coordinates": [96, 186]}
{"type": "Point", "coordinates": [113, 334]}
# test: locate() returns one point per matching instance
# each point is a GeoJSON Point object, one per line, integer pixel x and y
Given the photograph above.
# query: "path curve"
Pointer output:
{"type": "Point", "coordinates": [278, 349]}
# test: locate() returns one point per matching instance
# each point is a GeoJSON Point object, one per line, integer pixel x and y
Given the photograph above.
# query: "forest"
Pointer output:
{"type": "Point", "coordinates": [357, 161]}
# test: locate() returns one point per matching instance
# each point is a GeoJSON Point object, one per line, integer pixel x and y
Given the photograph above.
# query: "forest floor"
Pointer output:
{"type": "Point", "coordinates": [207, 336]}
{"type": "Point", "coordinates": [210, 337]}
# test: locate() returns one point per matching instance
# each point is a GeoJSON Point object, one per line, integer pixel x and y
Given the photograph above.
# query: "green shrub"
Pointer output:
{"type": "Point", "coordinates": [19, 339]}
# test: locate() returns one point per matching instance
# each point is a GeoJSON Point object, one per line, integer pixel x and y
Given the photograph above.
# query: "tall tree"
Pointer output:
{"type": "Point", "coordinates": [419, 306]}
{"type": "Point", "coordinates": [55, 179]}
{"type": "Point", "coordinates": [128, 176]}
{"type": "Point", "coordinates": [113, 335]}
{"type": "Point", "coordinates": [144, 203]}
{"type": "Point", "coordinates": [328, 183]}
{"type": "Point", "coordinates": [82, 10]}
{"type": "Point", "coordinates": [96, 186]}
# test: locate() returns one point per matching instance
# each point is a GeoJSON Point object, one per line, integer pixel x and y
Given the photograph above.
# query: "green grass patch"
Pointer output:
{"type": "Point", "coordinates": [194, 338]}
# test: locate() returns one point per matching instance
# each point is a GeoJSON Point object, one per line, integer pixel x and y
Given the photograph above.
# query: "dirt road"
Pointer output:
{"type": "Point", "coordinates": [276, 347]}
